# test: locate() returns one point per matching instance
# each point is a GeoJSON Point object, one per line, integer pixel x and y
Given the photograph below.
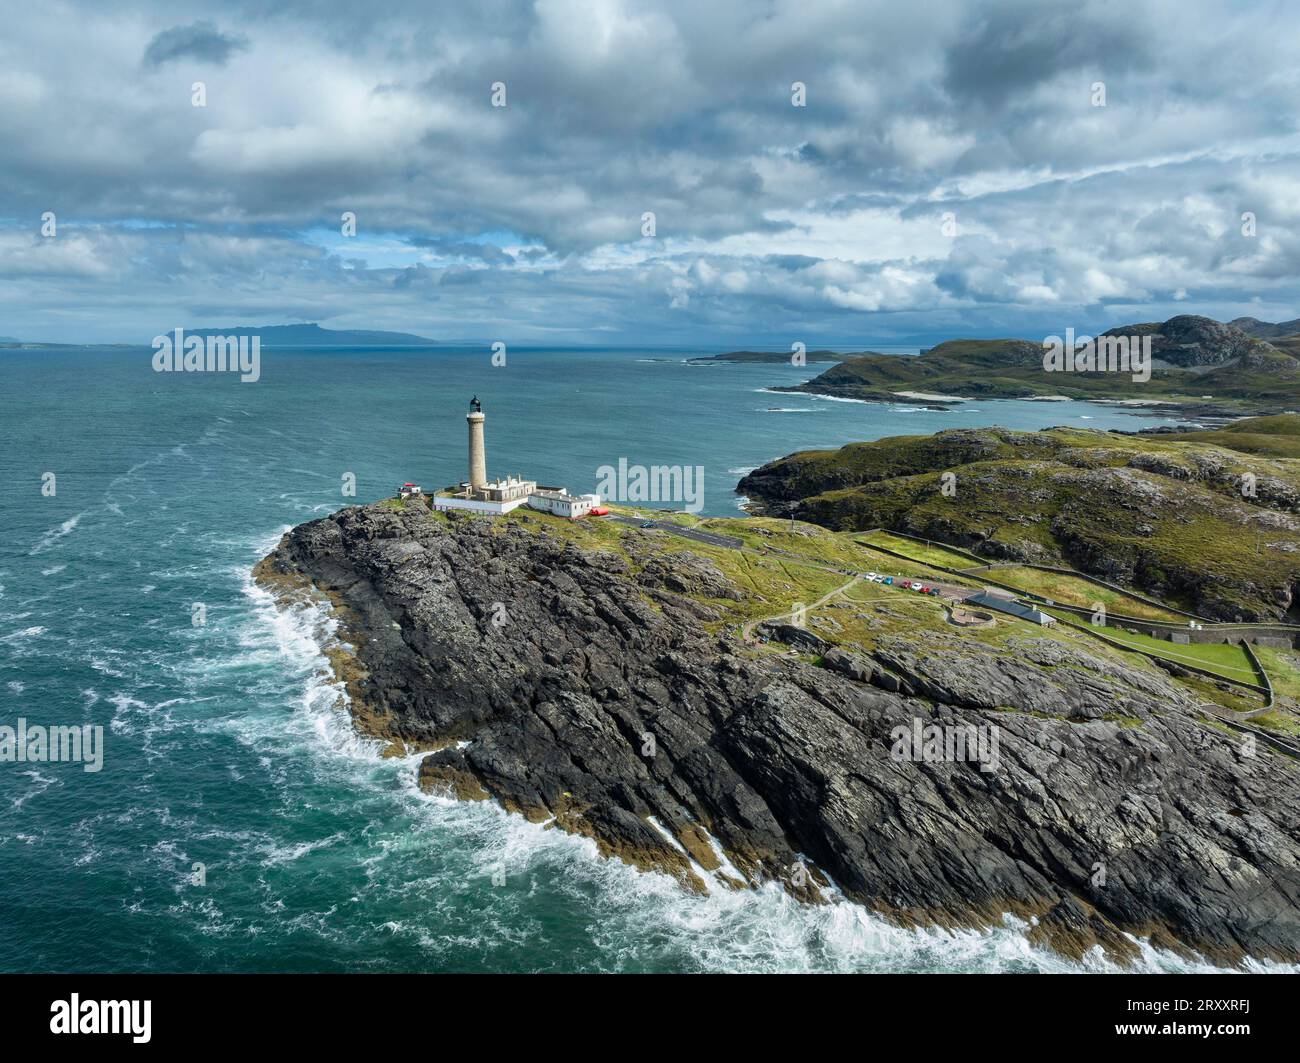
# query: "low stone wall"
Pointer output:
{"type": "Point", "coordinates": [1277, 638]}
{"type": "Point", "coordinates": [1098, 632]}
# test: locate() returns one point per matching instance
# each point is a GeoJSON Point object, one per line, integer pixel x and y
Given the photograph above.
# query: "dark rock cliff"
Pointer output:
{"type": "Point", "coordinates": [581, 688]}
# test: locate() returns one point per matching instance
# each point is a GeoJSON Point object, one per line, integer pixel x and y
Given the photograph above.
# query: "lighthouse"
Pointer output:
{"type": "Point", "coordinates": [477, 454]}
{"type": "Point", "coordinates": [498, 497]}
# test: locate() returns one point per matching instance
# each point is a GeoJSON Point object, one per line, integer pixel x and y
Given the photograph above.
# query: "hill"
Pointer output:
{"type": "Point", "coordinates": [1265, 330]}
{"type": "Point", "coordinates": [1195, 361]}
{"type": "Point", "coordinates": [1164, 514]}
{"type": "Point", "coordinates": [1273, 437]}
{"type": "Point", "coordinates": [312, 335]}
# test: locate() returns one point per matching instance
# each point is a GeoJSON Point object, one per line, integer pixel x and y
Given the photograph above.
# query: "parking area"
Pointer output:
{"type": "Point", "coordinates": [951, 592]}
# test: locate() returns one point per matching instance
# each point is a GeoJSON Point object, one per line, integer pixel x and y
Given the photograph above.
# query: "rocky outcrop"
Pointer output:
{"type": "Point", "coordinates": [572, 686]}
{"type": "Point", "coordinates": [1266, 330]}
{"type": "Point", "coordinates": [1189, 341]}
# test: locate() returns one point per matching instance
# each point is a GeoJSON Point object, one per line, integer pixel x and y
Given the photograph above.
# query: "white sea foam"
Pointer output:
{"type": "Point", "coordinates": [25, 633]}
{"type": "Point", "coordinates": [55, 534]}
{"type": "Point", "coordinates": [40, 783]}
{"type": "Point", "coordinates": [841, 398]}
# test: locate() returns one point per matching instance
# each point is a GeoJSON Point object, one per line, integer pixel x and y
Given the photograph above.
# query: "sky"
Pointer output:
{"type": "Point", "coordinates": [991, 169]}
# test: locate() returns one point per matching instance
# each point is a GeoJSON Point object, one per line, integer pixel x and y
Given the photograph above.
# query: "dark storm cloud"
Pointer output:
{"type": "Point", "coordinates": [1007, 50]}
{"type": "Point", "coordinates": [201, 41]}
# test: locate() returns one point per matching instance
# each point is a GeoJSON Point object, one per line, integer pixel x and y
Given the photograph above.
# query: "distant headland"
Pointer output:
{"type": "Point", "coordinates": [308, 334]}
{"type": "Point", "coordinates": [312, 335]}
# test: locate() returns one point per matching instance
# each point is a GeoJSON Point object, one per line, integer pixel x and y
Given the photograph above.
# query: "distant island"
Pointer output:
{"type": "Point", "coordinates": [1199, 367]}
{"type": "Point", "coordinates": [305, 335]}
{"type": "Point", "coordinates": [312, 335]}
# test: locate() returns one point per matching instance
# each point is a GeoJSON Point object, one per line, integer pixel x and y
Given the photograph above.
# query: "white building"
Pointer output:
{"type": "Point", "coordinates": [445, 503]}
{"type": "Point", "coordinates": [558, 501]}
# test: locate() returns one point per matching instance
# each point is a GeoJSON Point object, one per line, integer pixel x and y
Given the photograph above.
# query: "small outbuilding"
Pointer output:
{"type": "Point", "coordinates": [1016, 609]}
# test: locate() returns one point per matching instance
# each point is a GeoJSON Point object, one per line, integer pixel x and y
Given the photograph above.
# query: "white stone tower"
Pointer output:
{"type": "Point", "coordinates": [477, 454]}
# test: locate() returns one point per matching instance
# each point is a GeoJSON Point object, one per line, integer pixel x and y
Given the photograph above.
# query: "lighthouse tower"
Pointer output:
{"type": "Point", "coordinates": [477, 454]}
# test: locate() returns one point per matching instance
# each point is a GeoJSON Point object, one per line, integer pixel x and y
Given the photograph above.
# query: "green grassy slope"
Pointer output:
{"type": "Point", "coordinates": [1163, 515]}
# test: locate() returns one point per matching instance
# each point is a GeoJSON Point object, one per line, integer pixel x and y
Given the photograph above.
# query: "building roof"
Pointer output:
{"type": "Point", "coordinates": [1025, 612]}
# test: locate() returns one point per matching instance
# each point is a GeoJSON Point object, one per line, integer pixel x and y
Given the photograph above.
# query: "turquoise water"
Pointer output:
{"type": "Point", "coordinates": [227, 745]}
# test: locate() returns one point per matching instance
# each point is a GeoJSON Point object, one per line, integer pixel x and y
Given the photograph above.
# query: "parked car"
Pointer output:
{"type": "Point", "coordinates": [921, 587]}
{"type": "Point", "coordinates": [906, 584]}
{"type": "Point", "coordinates": [889, 581]}
{"type": "Point", "coordinates": [647, 524]}
{"type": "Point", "coordinates": [934, 591]}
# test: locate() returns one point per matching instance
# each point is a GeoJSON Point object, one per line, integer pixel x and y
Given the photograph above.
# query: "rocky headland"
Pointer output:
{"type": "Point", "coordinates": [597, 684]}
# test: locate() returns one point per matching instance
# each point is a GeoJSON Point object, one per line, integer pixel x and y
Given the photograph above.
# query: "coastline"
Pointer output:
{"type": "Point", "coordinates": [690, 852]}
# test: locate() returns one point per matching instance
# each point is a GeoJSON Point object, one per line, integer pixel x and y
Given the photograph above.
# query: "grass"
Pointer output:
{"type": "Point", "coordinates": [773, 582]}
{"type": "Point", "coordinates": [1283, 668]}
{"type": "Point", "coordinates": [1235, 699]}
{"type": "Point", "coordinates": [1281, 723]}
{"type": "Point", "coordinates": [1228, 660]}
{"type": "Point", "coordinates": [1072, 590]}
{"type": "Point", "coordinates": [923, 552]}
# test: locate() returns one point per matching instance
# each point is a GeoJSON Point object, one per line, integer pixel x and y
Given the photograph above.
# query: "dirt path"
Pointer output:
{"type": "Point", "coordinates": [747, 629]}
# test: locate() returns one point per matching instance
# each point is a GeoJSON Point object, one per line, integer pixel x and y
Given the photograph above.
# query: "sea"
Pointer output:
{"type": "Point", "coordinates": [237, 822]}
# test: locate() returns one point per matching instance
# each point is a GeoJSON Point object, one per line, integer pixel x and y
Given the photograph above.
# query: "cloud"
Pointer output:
{"type": "Point", "coordinates": [201, 41]}
{"type": "Point", "coordinates": [826, 220]}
